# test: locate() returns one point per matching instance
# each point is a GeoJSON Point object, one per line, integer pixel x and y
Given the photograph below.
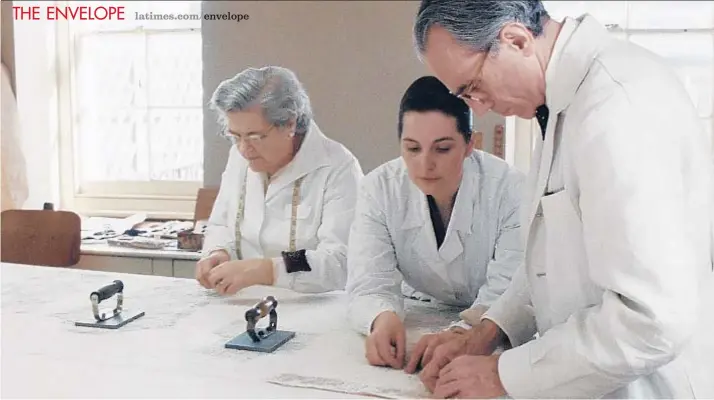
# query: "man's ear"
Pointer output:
{"type": "Point", "coordinates": [516, 36]}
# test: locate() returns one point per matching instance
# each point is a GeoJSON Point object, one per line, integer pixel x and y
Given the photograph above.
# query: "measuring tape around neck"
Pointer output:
{"type": "Point", "coordinates": [293, 217]}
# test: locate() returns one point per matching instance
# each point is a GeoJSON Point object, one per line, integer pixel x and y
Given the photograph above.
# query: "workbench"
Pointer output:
{"type": "Point", "coordinates": [164, 262]}
{"type": "Point", "coordinates": [177, 349]}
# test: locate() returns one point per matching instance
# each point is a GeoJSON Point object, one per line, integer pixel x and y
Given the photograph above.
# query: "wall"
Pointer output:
{"type": "Point", "coordinates": [355, 59]}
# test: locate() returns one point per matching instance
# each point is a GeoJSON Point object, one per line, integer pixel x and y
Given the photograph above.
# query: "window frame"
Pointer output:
{"type": "Point", "coordinates": [155, 199]}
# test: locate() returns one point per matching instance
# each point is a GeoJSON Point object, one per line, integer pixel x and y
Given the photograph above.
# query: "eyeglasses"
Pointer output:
{"type": "Point", "coordinates": [465, 92]}
{"type": "Point", "coordinates": [254, 138]}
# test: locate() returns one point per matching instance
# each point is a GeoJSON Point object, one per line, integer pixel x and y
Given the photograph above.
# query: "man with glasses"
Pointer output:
{"type": "Point", "coordinates": [284, 209]}
{"type": "Point", "coordinates": [617, 277]}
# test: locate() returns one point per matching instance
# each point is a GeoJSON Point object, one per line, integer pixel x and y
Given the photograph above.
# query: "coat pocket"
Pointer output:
{"type": "Point", "coordinates": [569, 285]}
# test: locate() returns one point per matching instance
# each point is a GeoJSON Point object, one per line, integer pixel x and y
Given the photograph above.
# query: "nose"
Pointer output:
{"type": "Point", "coordinates": [243, 145]}
{"type": "Point", "coordinates": [245, 148]}
{"type": "Point", "coordinates": [426, 162]}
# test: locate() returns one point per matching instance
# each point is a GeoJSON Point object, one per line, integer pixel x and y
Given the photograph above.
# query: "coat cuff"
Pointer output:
{"type": "Point", "coordinates": [207, 251]}
{"type": "Point", "coordinates": [517, 322]}
{"type": "Point", "coordinates": [514, 368]}
{"type": "Point", "coordinates": [473, 315]}
{"type": "Point", "coordinates": [461, 324]}
{"type": "Point", "coordinates": [281, 278]}
{"type": "Point", "coordinates": [364, 310]}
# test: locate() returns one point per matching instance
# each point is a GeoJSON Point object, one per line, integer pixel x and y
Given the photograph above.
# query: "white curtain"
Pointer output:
{"type": "Point", "coordinates": [14, 174]}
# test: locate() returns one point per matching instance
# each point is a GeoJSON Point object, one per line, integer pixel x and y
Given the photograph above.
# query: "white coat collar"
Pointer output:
{"type": "Point", "coordinates": [575, 49]}
{"type": "Point", "coordinates": [418, 217]}
{"type": "Point", "coordinates": [310, 156]}
{"type": "Point", "coordinates": [417, 214]}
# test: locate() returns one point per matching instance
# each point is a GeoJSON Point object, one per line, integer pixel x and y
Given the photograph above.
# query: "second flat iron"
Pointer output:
{"type": "Point", "coordinates": [263, 340]}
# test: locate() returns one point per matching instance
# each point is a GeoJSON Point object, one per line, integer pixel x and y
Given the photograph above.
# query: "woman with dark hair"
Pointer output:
{"type": "Point", "coordinates": [441, 222]}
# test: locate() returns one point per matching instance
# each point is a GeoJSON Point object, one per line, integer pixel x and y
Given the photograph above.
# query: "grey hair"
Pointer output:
{"type": "Point", "coordinates": [276, 89]}
{"type": "Point", "coordinates": [476, 23]}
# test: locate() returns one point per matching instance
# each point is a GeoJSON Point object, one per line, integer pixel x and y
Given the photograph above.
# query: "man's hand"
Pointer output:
{"type": "Point", "coordinates": [205, 265]}
{"type": "Point", "coordinates": [230, 277]}
{"type": "Point", "coordinates": [424, 349]}
{"type": "Point", "coordinates": [481, 339]}
{"type": "Point", "coordinates": [386, 345]}
{"type": "Point", "coordinates": [470, 377]}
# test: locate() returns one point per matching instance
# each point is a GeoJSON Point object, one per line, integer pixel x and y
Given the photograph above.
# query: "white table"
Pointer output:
{"type": "Point", "coordinates": [177, 349]}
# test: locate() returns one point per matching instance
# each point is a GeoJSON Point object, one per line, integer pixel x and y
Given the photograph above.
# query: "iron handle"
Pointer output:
{"type": "Point", "coordinates": [108, 291]}
{"type": "Point", "coordinates": [267, 307]}
{"type": "Point", "coordinates": [261, 310]}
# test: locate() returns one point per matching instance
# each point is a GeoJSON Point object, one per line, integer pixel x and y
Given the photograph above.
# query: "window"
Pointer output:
{"type": "Point", "coordinates": [131, 111]}
{"type": "Point", "coordinates": [680, 31]}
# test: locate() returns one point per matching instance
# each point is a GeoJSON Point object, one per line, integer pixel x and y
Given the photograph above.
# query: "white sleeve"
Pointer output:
{"type": "Point", "coordinates": [635, 230]}
{"type": "Point", "coordinates": [513, 312]}
{"type": "Point", "coordinates": [328, 262]}
{"type": "Point", "coordinates": [218, 234]}
{"type": "Point", "coordinates": [374, 282]}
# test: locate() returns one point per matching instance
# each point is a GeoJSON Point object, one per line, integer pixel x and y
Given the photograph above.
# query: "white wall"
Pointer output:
{"type": "Point", "coordinates": [355, 59]}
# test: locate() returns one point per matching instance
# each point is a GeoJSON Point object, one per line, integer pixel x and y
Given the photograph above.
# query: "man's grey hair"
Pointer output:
{"type": "Point", "coordinates": [476, 23]}
{"type": "Point", "coordinates": [276, 89]}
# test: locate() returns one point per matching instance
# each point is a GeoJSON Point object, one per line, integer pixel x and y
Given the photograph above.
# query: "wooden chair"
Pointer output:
{"type": "Point", "coordinates": [204, 203]}
{"type": "Point", "coordinates": [40, 237]}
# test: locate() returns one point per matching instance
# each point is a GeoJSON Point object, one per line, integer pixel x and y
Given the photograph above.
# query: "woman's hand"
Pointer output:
{"type": "Point", "coordinates": [205, 265]}
{"type": "Point", "coordinates": [386, 345]}
{"type": "Point", "coordinates": [230, 277]}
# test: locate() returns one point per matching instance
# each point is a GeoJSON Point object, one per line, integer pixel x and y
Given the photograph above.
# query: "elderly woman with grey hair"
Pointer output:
{"type": "Point", "coordinates": [283, 212]}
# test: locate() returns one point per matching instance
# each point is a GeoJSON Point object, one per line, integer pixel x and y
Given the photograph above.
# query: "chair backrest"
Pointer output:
{"type": "Point", "coordinates": [40, 237]}
{"type": "Point", "coordinates": [204, 203]}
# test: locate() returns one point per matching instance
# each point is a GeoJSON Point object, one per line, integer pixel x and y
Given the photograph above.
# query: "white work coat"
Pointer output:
{"type": "Point", "coordinates": [392, 240]}
{"type": "Point", "coordinates": [617, 281]}
{"type": "Point", "coordinates": [327, 197]}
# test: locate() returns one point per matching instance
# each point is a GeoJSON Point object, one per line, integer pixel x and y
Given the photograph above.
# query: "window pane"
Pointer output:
{"type": "Point", "coordinates": [111, 146]}
{"type": "Point", "coordinates": [138, 113]}
{"type": "Point", "coordinates": [109, 121]}
{"type": "Point", "coordinates": [681, 48]}
{"type": "Point", "coordinates": [107, 73]}
{"type": "Point", "coordinates": [606, 12]}
{"type": "Point", "coordinates": [176, 143]}
{"type": "Point", "coordinates": [671, 14]}
{"type": "Point", "coordinates": [174, 62]}
{"type": "Point", "coordinates": [692, 56]}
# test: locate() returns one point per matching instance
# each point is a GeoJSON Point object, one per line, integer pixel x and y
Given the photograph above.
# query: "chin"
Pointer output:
{"type": "Point", "coordinates": [428, 188]}
{"type": "Point", "coordinates": [526, 115]}
{"type": "Point", "coordinates": [256, 166]}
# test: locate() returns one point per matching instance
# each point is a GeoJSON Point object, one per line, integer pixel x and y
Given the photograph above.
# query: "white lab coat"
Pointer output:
{"type": "Point", "coordinates": [617, 281]}
{"type": "Point", "coordinates": [392, 240]}
{"type": "Point", "coordinates": [327, 198]}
